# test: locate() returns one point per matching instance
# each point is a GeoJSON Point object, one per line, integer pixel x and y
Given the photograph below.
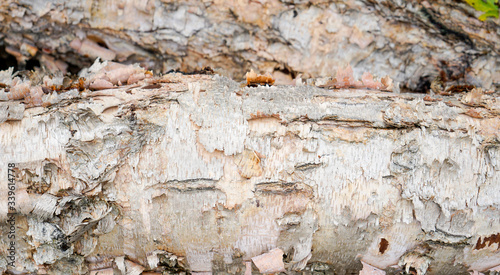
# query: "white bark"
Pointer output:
{"type": "Point", "coordinates": [203, 175]}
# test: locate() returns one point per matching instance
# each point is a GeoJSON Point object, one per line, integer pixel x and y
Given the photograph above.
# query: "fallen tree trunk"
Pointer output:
{"type": "Point", "coordinates": [197, 173]}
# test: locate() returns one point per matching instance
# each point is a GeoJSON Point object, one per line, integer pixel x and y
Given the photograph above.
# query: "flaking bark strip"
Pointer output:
{"type": "Point", "coordinates": [284, 188]}
{"type": "Point", "coordinates": [308, 166]}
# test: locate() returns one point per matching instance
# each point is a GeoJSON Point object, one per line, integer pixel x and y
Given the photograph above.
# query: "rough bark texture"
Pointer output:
{"type": "Point", "coordinates": [412, 41]}
{"type": "Point", "coordinates": [200, 174]}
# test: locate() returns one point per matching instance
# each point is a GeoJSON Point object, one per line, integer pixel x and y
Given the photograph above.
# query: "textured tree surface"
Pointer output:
{"type": "Point", "coordinates": [195, 173]}
{"type": "Point", "coordinates": [128, 172]}
{"type": "Point", "coordinates": [412, 41]}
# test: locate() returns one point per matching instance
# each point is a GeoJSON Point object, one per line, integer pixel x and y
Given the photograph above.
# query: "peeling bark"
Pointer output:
{"type": "Point", "coordinates": [197, 173]}
{"type": "Point", "coordinates": [123, 172]}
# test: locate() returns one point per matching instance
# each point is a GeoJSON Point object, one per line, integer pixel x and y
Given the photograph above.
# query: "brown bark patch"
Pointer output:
{"type": "Point", "coordinates": [383, 245]}
{"type": "Point", "coordinates": [491, 240]}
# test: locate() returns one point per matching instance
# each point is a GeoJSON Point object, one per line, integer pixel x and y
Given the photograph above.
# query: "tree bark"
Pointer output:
{"type": "Point", "coordinates": [412, 41]}
{"type": "Point", "coordinates": [197, 173]}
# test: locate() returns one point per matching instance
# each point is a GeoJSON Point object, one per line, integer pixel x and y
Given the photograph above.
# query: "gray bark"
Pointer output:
{"type": "Point", "coordinates": [412, 41]}
{"type": "Point", "coordinates": [196, 173]}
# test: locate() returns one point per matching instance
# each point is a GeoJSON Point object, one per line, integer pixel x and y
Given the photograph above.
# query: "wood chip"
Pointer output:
{"type": "Point", "coordinates": [254, 79]}
{"type": "Point", "coordinates": [270, 262]}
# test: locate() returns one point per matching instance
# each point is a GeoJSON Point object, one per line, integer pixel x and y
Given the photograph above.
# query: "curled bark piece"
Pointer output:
{"type": "Point", "coordinates": [100, 84]}
{"type": "Point", "coordinates": [248, 163]}
{"type": "Point", "coordinates": [345, 79]}
{"type": "Point", "coordinates": [370, 270]}
{"type": "Point", "coordinates": [388, 83]}
{"type": "Point", "coordinates": [254, 79]}
{"type": "Point", "coordinates": [369, 83]}
{"type": "Point", "coordinates": [120, 75]}
{"type": "Point", "coordinates": [415, 260]}
{"type": "Point", "coordinates": [474, 97]}
{"type": "Point", "coordinates": [136, 77]}
{"type": "Point", "coordinates": [19, 89]}
{"type": "Point", "coordinates": [6, 77]}
{"type": "Point", "coordinates": [34, 98]}
{"type": "Point", "coordinates": [100, 74]}
{"type": "Point", "coordinates": [431, 99]}
{"type": "Point", "coordinates": [248, 268]}
{"type": "Point", "coordinates": [478, 113]}
{"type": "Point", "coordinates": [270, 262]}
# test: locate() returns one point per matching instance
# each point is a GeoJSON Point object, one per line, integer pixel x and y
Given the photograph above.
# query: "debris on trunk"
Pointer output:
{"type": "Point", "coordinates": [270, 262]}
{"type": "Point", "coordinates": [345, 79]}
{"type": "Point", "coordinates": [254, 79]}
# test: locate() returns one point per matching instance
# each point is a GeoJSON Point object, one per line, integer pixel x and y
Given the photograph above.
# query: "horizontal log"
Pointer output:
{"type": "Point", "coordinates": [199, 173]}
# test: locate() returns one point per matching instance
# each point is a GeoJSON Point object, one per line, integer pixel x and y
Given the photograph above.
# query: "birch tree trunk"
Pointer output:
{"type": "Point", "coordinates": [412, 41]}
{"type": "Point", "coordinates": [199, 174]}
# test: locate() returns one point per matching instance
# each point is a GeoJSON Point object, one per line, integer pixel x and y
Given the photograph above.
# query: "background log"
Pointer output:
{"type": "Point", "coordinates": [197, 173]}
{"type": "Point", "coordinates": [412, 41]}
